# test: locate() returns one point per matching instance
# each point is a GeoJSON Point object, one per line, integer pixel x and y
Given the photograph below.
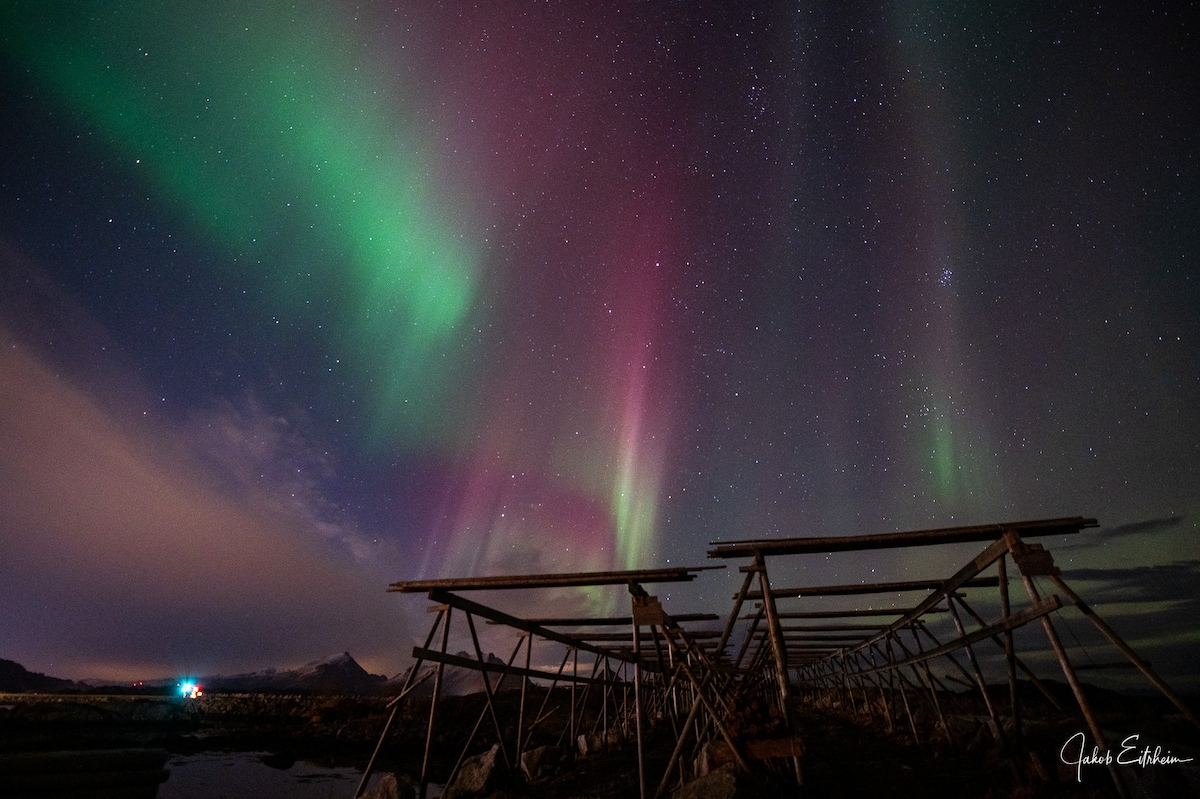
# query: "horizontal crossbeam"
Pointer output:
{"type": "Point", "coordinates": [434, 656]}
{"type": "Point", "coordinates": [945, 535]}
{"type": "Point", "coordinates": [1045, 606]}
{"type": "Point", "coordinates": [870, 588]}
{"type": "Point", "coordinates": [578, 579]}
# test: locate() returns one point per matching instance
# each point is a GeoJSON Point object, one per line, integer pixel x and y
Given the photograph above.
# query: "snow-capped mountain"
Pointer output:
{"type": "Point", "coordinates": [338, 674]}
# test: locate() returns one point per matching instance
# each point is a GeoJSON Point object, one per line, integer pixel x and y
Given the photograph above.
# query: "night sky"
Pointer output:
{"type": "Point", "coordinates": [299, 299]}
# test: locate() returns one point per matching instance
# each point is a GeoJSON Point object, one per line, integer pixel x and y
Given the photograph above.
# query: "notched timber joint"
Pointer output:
{"type": "Point", "coordinates": [1034, 560]}
{"type": "Point", "coordinates": [647, 610]}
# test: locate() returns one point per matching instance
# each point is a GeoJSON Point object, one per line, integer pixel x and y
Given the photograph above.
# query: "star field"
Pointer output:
{"type": "Point", "coordinates": [371, 292]}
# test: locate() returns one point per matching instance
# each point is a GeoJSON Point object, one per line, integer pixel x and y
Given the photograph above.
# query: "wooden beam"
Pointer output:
{"type": "Point", "coordinates": [843, 637]}
{"type": "Point", "coordinates": [473, 664]}
{"type": "Point", "coordinates": [833, 628]}
{"type": "Point", "coordinates": [577, 579]}
{"type": "Point", "coordinates": [628, 637]}
{"type": "Point", "coordinates": [945, 535]}
{"type": "Point", "coordinates": [613, 621]}
{"type": "Point", "coordinates": [962, 577]}
{"type": "Point", "coordinates": [845, 614]}
{"type": "Point", "coordinates": [1036, 611]}
{"type": "Point", "coordinates": [442, 595]}
{"type": "Point", "coordinates": [872, 588]}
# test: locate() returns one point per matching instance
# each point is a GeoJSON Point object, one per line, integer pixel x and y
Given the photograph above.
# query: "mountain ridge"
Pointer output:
{"type": "Point", "coordinates": [16, 679]}
{"type": "Point", "coordinates": [335, 674]}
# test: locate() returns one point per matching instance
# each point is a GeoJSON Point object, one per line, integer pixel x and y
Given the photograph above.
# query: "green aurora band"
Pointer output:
{"type": "Point", "coordinates": [287, 135]}
{"type": "Point", "coordinates": [272, 117]}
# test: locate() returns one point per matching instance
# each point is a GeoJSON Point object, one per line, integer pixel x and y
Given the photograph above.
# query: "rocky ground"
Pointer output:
{"type": "Point", "coordinates": [845, 755]}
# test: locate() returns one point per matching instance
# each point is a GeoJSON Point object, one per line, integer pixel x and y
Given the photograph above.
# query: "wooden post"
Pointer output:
{"type": "Point", "coordinates": [903, 694]}
{"type": "Point", "coordinates": [409, 682]}
{"type": "Point", "coordinates": [997, 730]}
{"type": "Point", "coordinates": [437, 690]}
{"type": "Point", "coordinates": [1014, 542]}
{"type": "Point", "coordinates": [777, 646]}
{"type": "Point", "coordinates": [929, 678]}
{"type": "Point", "coordinates": [749, 637]}
{"type": "Point", "coordinates": [1125, 649]}
{"type": "Point", "coordinates": [537, 717]}
{"type": "Point", "coordinates": [637, 700]}
{"type": "Point", "coordinates": [1033, 678]}
{"type": "Point", "coordinates": [737, 608]}
{"type": "Point", "coordinates": [887, 706]}
{"type": "Point", "coordinates": [524, 685]}
{"type": "Point", "coordinates": [575, 675]}
{"type": "Point", "coordinates": [479, 721]}
{"type": "Point", "coordinates": [1010, 655]}
{"type": "Point", "coordinates": [487, 691]}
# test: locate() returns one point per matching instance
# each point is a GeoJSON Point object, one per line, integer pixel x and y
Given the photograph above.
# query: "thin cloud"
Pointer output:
{"type": "Point", "coordinates": [273, 458]}
{"type": "Point", "coordinates": [136, 545]}
{"type": "Point", "coordinates": [1140, 529]}
{"type": "Point", "coordinates": [1173, 582]}
{"type": "Point", "coordinates": [1146, 527]}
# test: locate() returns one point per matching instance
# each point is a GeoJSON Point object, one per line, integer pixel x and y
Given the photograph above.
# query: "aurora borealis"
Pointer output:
{"type": "Point", "coordinates": [299, 299]}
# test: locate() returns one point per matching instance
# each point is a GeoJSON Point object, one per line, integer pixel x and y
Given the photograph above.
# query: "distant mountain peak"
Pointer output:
{"type": "Point", "coordinates": [343, 661]}
{"type": "Point", "coordinates": [336, 674]}
{"type": "Point", "coordinates": [15, 678]}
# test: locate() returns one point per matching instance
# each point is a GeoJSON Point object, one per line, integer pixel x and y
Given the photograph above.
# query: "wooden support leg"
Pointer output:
{"type": "Point", "coordinates": [997, 729]}
{"type": "Point", "coordinates": [479, 721]}
{"type": "Point", "coordinates": [487, 690]}
{"type": "Point", "coordinates": [637, 705]}
{"type": "Point", "coordinates": [524, 685]}
{"type": "Point", "coordinates": [930, 680]}
{"type": "Point", "coordinates": [903, 694]}
{"type": "Point", "coordinates": [775, 634]}
{"type": "Point", "coordinates": [409, 683]}
{"type": "Point", "coordinates": [1010, 655]}
{"type": "Point", "coordinates": [437, 691]}
{"type": "Point", "coordinates": [1125, 649]}
{"type": "Point", "coordinates": [1072, 680]}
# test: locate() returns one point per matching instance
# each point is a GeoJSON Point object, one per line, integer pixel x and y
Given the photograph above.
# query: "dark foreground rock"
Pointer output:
{"type": "Point", "coordinates": [727, 782]}
{"type": "Point", "coordinates": [541, 762]}
{"type": "Point", "coordinates": [843, 756]}
{"type": "Point", "coordinates": [479, 776]}
{"type": "Point", "coordinates": [390, 787]}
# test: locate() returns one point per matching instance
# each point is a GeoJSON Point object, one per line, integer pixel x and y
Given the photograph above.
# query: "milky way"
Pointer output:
{"type": "Point", "coordinates": [425, 291]}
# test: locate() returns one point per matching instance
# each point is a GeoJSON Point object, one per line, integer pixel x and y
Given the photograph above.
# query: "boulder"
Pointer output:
{"type": "Point", "coordinates": [540, 762]}
{"type": "Point", "coordinates": [703, 763]}
{"type": "Point", "coordinates": [388, 787]}
{"type": "Point", "coordinates": [590, 744]}
{"type": "Point", "coordinates": [478, 776]}
{"type": "Point", "coordinates": [725, 782]}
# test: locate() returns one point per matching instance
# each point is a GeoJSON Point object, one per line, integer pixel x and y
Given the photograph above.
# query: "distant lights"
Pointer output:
{"type": "Point", "coordinates": [190, 690]}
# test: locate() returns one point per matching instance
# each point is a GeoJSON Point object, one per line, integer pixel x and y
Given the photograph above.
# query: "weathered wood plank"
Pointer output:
{"type": "Point", "coordinates": [945, 535]}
